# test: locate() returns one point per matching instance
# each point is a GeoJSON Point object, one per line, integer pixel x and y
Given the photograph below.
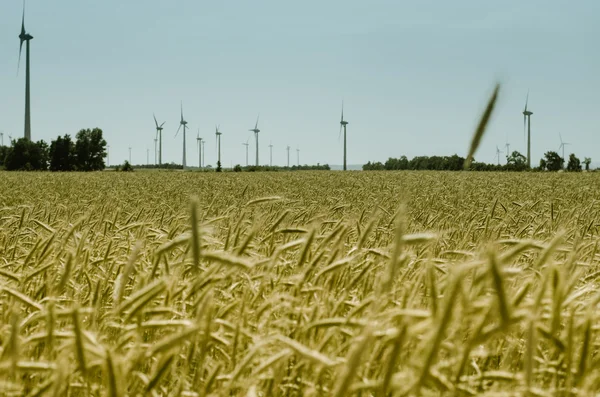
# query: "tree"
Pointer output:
{"type": "Point", "coordinates": [90, 150]}
{"type": "Point", "coordinates": [574, 165]}
{"type": "Point", "coordinates": [553, 161]}
{"type": "Point", "coordinates": [516, 161]}
{"type": "Point", "coordinates": [219, 169]}
{"type": "Point", "coordinates": [237, 168]}
{"type": "Point", "coordinates": [587, 162]}
{"type": "Point", "coordinates": [3, 153]}
{"type": "Point", "coordinates": [26, 155]}
{"type": "Point", "coordinates": [62, 154]}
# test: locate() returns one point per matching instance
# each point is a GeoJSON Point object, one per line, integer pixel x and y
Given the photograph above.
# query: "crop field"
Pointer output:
{"type": "Point", "coordinates": [299, 284]}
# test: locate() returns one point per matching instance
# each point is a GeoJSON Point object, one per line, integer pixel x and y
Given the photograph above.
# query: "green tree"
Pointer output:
{"type": "Point", "coordinates": [587, 161]}
{"type": "Point", "coordinates": [574, 165]}
{"type": "Point", "coordinates": [553, 161]}
{"type": "Point", "coordinates": [26, 155]}
{"type": "Point", "coordinates": [62, 154]}
{"type": "Point", "coordinates": [3, 153]}
{"type": "Point", "coordinates": [219, 169]}
{"type": "Point", "coordinates": [90, 150]}
{"type": "Point", "coordinates": [516, 161]}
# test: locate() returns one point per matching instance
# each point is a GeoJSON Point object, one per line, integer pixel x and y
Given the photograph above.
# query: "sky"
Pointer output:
{"type": "Point", "coordinates": [414, 75]}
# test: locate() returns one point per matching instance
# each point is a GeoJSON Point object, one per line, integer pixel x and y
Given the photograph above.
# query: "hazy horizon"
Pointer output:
{"type": "Point", "coordinates": [414, 77]}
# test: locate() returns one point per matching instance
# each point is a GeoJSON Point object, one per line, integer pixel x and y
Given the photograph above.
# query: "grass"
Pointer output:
{"type": "Point", "coordinates": [314, 283]}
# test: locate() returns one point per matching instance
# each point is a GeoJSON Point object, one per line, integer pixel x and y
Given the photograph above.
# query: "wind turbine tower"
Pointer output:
{"type": "Point", "coordinates": [199, 147]}
{"type": "Point", "coordinates": [343, 125]}
{"type": "Point", "coordinates": [183, 123]}
{"type": "Point", "coordinates": [507, 146]}
{"type": "Point", "coordinates": [26, 37]}
{"type": "Point", "coordinates": [218, 136]}
{"type": "Point", "coordinates": [298, 156]}
{"type": "Point", "coordinates": [159, 129]}
{"type": "Point", "coordinates": [129, 154]}
{"type": "Point", "coordinates": [246, 144]}
{"type": "Point", "coordinates": [288, 156]}
{"type": "Point", "coordinates": [256, 131]}
{"type": "Point", "coordinates": [1, 138]}
{"type": "Point", "coordinates": [527, 123]}
{"type": "Point", "coordinates": [270, 154]}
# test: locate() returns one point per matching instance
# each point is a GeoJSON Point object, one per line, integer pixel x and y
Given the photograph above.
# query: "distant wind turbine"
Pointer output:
{"type": "Point", "coordinates": [202, 143]}
{"type": "Point", "coordinates": [343, 125]}
{"type": "Point", "coordinates": [562, 146]}
{"type": "Point", "coordinates": [507, 146]}
{"type": "Point", "coordinates": [288, 156]}
{"type": "Point", "coordinates": [1, 138]}
{"type": "Point", "coordinates": [183, 123]}
{"type": "Point", "coordinates": [298, 156]}
{"type": "Point", "coordinates": [218, 142]}
{"type": "Point", "coordinates": [26, 37]}
{"type": "Point", "coordinates": [256, 131]}
{"type": "Point", "coordinates": [527, 124]}
{"type": "Point", "coordinates": [159, 129]}
{"type": "Point", "coordinates": [246, 144]}
{"type": "Point", "coordinates": [270, 154]}
{"type": "Point", "coordinates": [498, 153]}
{"type": "Point", "coordinates": [199, 146]}
{"type": "Point", "coordinates": [129, 154]}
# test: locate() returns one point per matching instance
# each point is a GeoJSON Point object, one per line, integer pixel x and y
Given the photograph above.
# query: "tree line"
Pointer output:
{"type": "Point", "coordinates": [514, 162]}
{"type": "Point", "coordinates": [86, 153]}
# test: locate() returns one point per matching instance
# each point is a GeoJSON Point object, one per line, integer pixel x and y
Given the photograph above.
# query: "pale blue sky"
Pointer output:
{"type": "Point", "coordinates": [414, 75]}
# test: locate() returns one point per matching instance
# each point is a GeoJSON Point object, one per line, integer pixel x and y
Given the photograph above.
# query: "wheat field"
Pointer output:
{"type": "Point", "coordinates": [299, 284]}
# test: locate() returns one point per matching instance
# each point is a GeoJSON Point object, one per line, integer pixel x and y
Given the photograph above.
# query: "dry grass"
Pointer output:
{"type": "Point", "coordinates": [296, 284]}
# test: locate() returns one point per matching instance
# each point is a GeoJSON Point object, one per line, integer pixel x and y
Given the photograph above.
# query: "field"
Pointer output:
{"type": "Point", "coordinates": [307, 283]}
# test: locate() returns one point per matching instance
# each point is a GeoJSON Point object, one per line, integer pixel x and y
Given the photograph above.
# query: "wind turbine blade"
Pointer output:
{"type": "Point", "coordinates": [526, 100]}
{"type": "Point", "coordinates": [181, 110]}
{"type": "Point", "coordinates": [163, 123]}
{"type": "Point", "coordinates": [342, 119]}
{"type": "Point", "coordinates": [21, 36]}
{"type": "Point", "coordinates": [340, 134]}
{"type": "Point", "coordinates": [178, 130]}
{"type": "Point", "coordinates": [155, 122]}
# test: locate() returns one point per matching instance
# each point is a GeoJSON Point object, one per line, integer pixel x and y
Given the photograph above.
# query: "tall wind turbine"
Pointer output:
{"type": "Point", "coordinates": [183, 123]}
{"type": "Point", "coordinates": [26, 37]}
{"type": "Point", "coordinates": [218, 137]}
{"type": "Point", "coordinates": [159, 129]}
{"type": "Point", "coordinates": [155, 153]}
{"type": "Point", "coordinates": [288, 156]}
{"type": "Point", "coordinates": [343, 125]}
{"type": "Point", "coordinates": [507, 146]}
{"type": "Point", "coordinates": [256, 131]}
{"type": "Point", "coordinates": [199, 147]}
{"type": "Point", "coordinates": [270, 154]}
{"type": "Point", "coordinates": [246, 144]}
{"type": "Point", "coordinates": [129, 154]}
{"type": "Point", "coordinates": [527, 124]}
{"type": "Point", "coordinates": [562, 146]}
{"type": "Point", "coordinates": [298, 156]}
{"type": "Point", "coordinates": [1, 138]}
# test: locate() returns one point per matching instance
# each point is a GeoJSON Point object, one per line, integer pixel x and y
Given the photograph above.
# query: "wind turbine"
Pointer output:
{"type": "Point", "coordinates": [202, 143]}
{"type": "Point", "coordinates": [256, 131]}
{"type": "Point", "coordinates": [246, 144]}
{"type": "Point", "coordinates": [199, 146]}
{"type": "Point", "coordinates": [155, 154]}
{"type": "Point", "coordinates": [159, 129]}
{"type": "Point", "coordinates": [298, 156]}
{"type": "Point", "coordinates": [343, 124]}
{"type": "Point", "coordinates": [288, 156]}
{"type": "Point", "coordinates": [183, 123]}
{"type": "Point", "coordinates": [498, 152]}
{"type": "Point", "coordinates": [1, 138]}
{"type": "Point", "coordinates": [129, 154]}
{"type": "Point", "coordinates": [24, 36]}
{"type": "Point", "coordinates": [218, 137]}
{"type": "Point", "coordinates": [527, 124]}
{"type": "Point", "coordinates": [507, 146]}
{"type": "Point", "coordinates": [270, 154]}
{"type": "Point", "coordinates": [562, 146]}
